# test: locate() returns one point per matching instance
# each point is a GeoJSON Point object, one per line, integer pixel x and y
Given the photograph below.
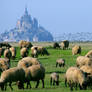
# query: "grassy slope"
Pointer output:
{"type": "Point", "coordinates": [49, 64]}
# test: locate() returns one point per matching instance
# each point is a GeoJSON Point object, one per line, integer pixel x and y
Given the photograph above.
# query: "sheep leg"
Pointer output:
{"type": "Point", "coordinates": [28, 83]}
{"type": "Point", "coordinates": [37, 84]}
{"type": "Point", "coordinates": [10, 85]}
{"type": "Point", "coordinates": [50, 81]}
{"type": "Point", "coordinates": [5, 86]}
{"type": "Point", "coordinates": [63, 65]}
{"type": "Point", "coordinates": [54, 82]}
{"type": "Point", "coordinates": [42, 83]}
{"type": "Point", "coordinates": [76, 86]}
{"type": "Point", "coordinates": [80, 87]}
{"type": "Point", "coordinates": [65, 82]}
{"type": "Point", "coordinates": [56, 64]}
{"type": "Point", "coordinates": [71, 86]}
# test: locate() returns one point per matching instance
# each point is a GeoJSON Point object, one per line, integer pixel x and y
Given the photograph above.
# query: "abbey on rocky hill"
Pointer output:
{"type": "Point", "coordinates": [27, 28]}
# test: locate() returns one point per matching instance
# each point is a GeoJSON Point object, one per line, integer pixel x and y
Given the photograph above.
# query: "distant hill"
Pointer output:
{"type": "Point", "coordinates": [80, 36]}
{"type": "Point", "coordinates": [27, 29]}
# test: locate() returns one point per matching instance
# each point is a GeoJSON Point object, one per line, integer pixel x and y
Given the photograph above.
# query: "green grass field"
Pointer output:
{"type": "Point", "coordinates": [49, 63]}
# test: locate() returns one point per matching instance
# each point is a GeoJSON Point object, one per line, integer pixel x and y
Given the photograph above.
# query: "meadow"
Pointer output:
{"type": "Point", "coordinates": [49, 62]}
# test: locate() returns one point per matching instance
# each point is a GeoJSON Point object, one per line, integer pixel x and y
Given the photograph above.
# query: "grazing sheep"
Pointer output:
{"type": "Point", "coordinates": [89, 54]}
{"type": "Point", "coordinates": [24, 52]}
{"type": "Point", "coordinates": [75, 77]}
{"type": "Point", "coordinates": [4, 64]}
{"type": "Point", "coordinates": [88, 70]}
{"type": "Point", "coordinates": [56, 45]}
{"type": "Point", "coordinates": [34, 51]}
{"type": "Point", "coordinates": [7, 54]}
{"type": "Point", "coordinates": [65, 44]}
{"type": "Point", "coordinates": [7, 45]}
{"type": "Point", "coordinates": [54, 77]}
{"type": "Point", "coordinates": [42, 50]}
{"type": "Point", "coordinates": [13, 51]}
{"type": "Point", "coordinates": [76, 50]}
{"type": "Point", "coordinates": [11, 75]}
{"type": "Point", "coordinates": [82, 60]}
{"type": "Point", "coordinates": [28, 61]}
{"type": "Point", "coordinates": [26, 44]}
{"type": "Point", "coordinates": [34, 73]}
{"type": "Point", "coordinates": [60, 62]}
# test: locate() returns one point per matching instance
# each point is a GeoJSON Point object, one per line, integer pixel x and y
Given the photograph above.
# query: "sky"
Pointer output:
{"type": "Point", "coordinates": [57, 16]}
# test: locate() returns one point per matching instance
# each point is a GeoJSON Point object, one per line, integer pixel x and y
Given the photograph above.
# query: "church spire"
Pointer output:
{"type": "Point", "coordinates": [26, 12]}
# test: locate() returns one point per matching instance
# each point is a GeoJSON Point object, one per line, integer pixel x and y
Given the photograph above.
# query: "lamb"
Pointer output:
{"type": "Point", "coordinates": [65, 44]}
{"type": "Point", "coordinates": [76, 50]}
{"type": "Point", "coordinates": [82, 60]}
{"type": "Point", "coordinates": [89, 54]}
{"type": "Point", "coordinates": [24, 52]}
{"type": "Point", "coordinates": [28, 61]}
{"type": "Point", "coordinates": [56, 45]}
{"type": "Point", "coordinates": [54, 77]}
{"type": "Point", "coordinates": [34, 73]}
{"type": "Point", "coordinates": [26, 44]}
{"type": "Point", "coordinates": [4, 64]}
{"type": "Point", "coordinates": [12, 75]}
{"type": "Point", "coordinates": [74, 77]}
{"type": "Point", "coordinates": [13, 51]}
{"type": "Point", "coordinates": [60, 62]}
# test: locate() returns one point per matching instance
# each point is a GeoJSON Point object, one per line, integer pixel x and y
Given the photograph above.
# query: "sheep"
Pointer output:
{"type": "Point", "coordinates": [56, 45]}
{"type": "Point", "coordinates": [11, 75]}
{"type": "Point", "coordinates": [28, 61]}
{"type": "Point", "coordinates": [42, 50]}
{"type": "Point", "coordinates": [65, 44]}
{"type": "Point", "coordinates": [38, 50]}
{"type": "Point", "coordinates": [26, 44]}
{"type": "Point", "coordinates": [7, 53]}
{"type": "Point", "coordinates": [89, 54]}
{"type": "Point", "coordinates": [13, 51]}
{"type": "Point", "coordinates": [34, 73]}
{"type": "Point", "coordinates": [75, 77]}
{"type": "Point", "coordinates": [54, 77]}
{"type": "Point", "coordinates": [7, 45]}
{"type": "Point", "coordinates": [88, 70]}
{"type": "Point", "coordinates": [4, 64]}
{"type": "Point", "coordinates": [82, 60]}
{"type": "Point", "coordinates": [76, 50]}
{"type": "Point", "coordinates": [34, 51]}
{"type": "Point", "coordinates": [61, 62]}
{"type": "Point", "coordinates": [24, 52]}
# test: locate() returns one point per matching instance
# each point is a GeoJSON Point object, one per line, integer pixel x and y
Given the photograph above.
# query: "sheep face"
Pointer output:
{"type": "Point", "coordinates": [85, 83]}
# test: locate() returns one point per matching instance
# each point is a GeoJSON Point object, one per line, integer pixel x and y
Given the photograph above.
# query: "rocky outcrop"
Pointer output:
{"type": "Point", "coordinates": [27, 29]}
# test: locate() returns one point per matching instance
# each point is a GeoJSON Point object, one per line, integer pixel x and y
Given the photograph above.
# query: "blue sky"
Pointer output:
{"type": "Point", "coordinates": [57, 16]}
